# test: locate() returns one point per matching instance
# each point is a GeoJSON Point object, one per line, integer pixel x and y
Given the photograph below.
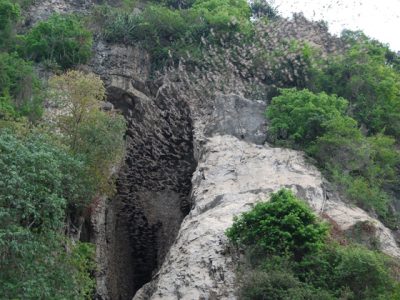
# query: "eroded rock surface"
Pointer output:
{"type": "Point", "coordinates": [154, 183]}
{"type": "Point", "coordinates": [43, 9]}
{"type": "Point", "coordinates": [231, 176]}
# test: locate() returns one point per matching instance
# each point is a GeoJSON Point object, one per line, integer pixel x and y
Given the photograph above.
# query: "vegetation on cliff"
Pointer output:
{"type": "Point", "coordinates": [364, 167]}
{"type": "Point", "coordinates": [52, 174]}
{"type": "Point", "coordinates": [289, 254]}
{"type": "Point", "coordinates": [339, 102]}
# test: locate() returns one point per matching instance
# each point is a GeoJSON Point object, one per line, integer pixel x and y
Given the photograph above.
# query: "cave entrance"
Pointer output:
{"type": "Point", "coordinates": [153, 190]}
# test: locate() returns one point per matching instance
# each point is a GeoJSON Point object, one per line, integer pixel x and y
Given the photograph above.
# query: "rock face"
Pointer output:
{"type": "Point", "coordinates": [189, 169]}
{"type": "Point", "coordinates": [152, 188]}
{"type": "Point", "coordinates": [137, 227]}
{"type": "Point", "coordinates": [137, 232]}
{"type": "Point", "coordinates": [42, 9]}
{"type": "Point", "coordinates": [232, 174]}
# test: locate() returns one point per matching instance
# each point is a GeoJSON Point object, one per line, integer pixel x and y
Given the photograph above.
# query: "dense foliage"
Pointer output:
{"type": "Point", "coordinates": [9, 15]}
{"type": "Point", "coordinates": [365, 75]}
{"type": "Point", "coordinates": [167, 31]}
{"type": "Point", "coordinates": [50, 176]}
{"type": "Point", "coordinates": [282, 225]}
{"type": "Point", "coordinates": [39, 179]}
{"type": "Point", "coordinates": [61, 38]}
{"type": "Point", "coordinates": [85, 128]}
{"type": "Point", "coordinates": [300, 116]}
{"type": "Point", "coordinates": [342, 108]}
{"type": "Point", "coordinates": [364, 167]}
{"type": "Point", "coordinates": [20, 93]}
{"type": "Point", "coordinates": [52, 168]}
{"type": "Point", "coordinates": [272, 233]}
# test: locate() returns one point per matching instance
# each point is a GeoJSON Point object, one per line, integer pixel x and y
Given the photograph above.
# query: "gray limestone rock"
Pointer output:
{"type": "Point", "coordinates": [232, 176]}
{"type": "Point", "coordinates": [239, 117]}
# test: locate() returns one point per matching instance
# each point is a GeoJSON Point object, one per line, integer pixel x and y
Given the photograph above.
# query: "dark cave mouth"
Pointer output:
{"type": "Point", "coordinates": [153, 190]}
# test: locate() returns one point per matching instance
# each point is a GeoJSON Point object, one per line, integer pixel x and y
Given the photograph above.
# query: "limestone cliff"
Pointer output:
{"type": "Point", "coordinates": [190, 168]}
{"type": "Point", "coordinates": [235, 170]}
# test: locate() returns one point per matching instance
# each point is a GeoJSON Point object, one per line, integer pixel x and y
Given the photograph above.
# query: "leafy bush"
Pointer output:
{"type": "Point", "coordinates": [351, 270]}
{"type": "Point", "coordinates": [225, 16]}
{"type": "Point", "coordinates": [300, 116]}
{"type": "Point", "coordinates": [279, 285]}
{"type": "Point", "coordinates": [9, 15]}
{"type": "Point", "coordinates": [282, 225]}
{"type": "Point", "coordinates": [19, 88]}
{"type": "Point", "coordinates": [87, 130]}
{"type": "Point", "coordinates": [365, 273]}
{"type": "Point", "coordinates": [343, 145]}
{"type": "Point", "coordinates": [39, 179]}
{"type": "Point", "coordinates": [62, 38]}
{"type": "Point", "coordinates": [169, 33]}
{"type": "Point", "coordinates": [272, 235]}
{"type": "Point", "coordinates": [367, 77]}
{"type": "Point", "coordinates": [364, 168]}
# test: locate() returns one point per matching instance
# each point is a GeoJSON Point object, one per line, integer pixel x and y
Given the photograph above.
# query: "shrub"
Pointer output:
{"type": "Point", "coordinates": [9, 15]}
{"type": "Point", "coordinates": [278, 285]}
{"type": "Point", "coordinates": [39, 178]}
{"type": "Point", "coordinates": [342, 145]}
{"type": "Point", "coordinates": [300, 116]}
{"type": "Point", "coordinates": [85, 128]}
{"type": "Point", "coordinates": [367, 77]}
{"type": "Point", "coordinates": [351, 270]}
{"type": "Point", "coordinates": [364, 168]}
{"type": "Point", "coordinates": [364, 272]}
{"type": "Point", "coordinates": [170, 34]}
{"type": "Point", "coordinates": [274, 234]}
{"type": "Point", "coordinates": [282, 225]}
{"type": "Point", "coordinates": [225, 16]}
{"type": "Point", "coordinates": [62, 38]}
{"type": "Point", "coordinates": [19, 88]}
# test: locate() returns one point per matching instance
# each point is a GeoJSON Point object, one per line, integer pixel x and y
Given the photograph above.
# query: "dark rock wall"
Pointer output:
{"type": "Point", "coordinates": [152, 188]}
{"type": "Point", "coordinates": [135, 229]}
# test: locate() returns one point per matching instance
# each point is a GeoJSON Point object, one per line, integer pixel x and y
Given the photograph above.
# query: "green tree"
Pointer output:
{"type": "Point", "coordinates": [9, 15]}
{"type": "Point", "coordinates": [288, 256]}
{"type": "Point", "coordinates": [62, 38]}
{"type": "Point", "coordinates": [366, 75]}
{"type": "Point", "coordinates": [39, 179]}
{"type": "Point", "coordinates": [300, 116]}
{"type": "Point", "coordinates": [85, 128]}
{"type": "Point", "coordinates": [284, 225]}
{"type": "Point", "coordinates": [20, 91]}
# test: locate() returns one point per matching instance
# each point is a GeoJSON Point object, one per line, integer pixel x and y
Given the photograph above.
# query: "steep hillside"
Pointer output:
{"type": "Point", "coordinates": [144, 128]}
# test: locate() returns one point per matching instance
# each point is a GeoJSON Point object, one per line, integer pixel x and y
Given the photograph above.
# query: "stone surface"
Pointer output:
{"type": "Point", "coordinates": [231, 176]}
{"type": "Point", "coordinates": [143, 219]}
{"type": "Point", "coordinates": [233, 173]}
{"type": "Point", "coordinates": [239, 117]}
{"type": "Point", "coordinates": [42, 9]}
{"type": "Point", "coordinates": [129, 62]}
{"type": "Point", "coordinates": [139, 234]}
